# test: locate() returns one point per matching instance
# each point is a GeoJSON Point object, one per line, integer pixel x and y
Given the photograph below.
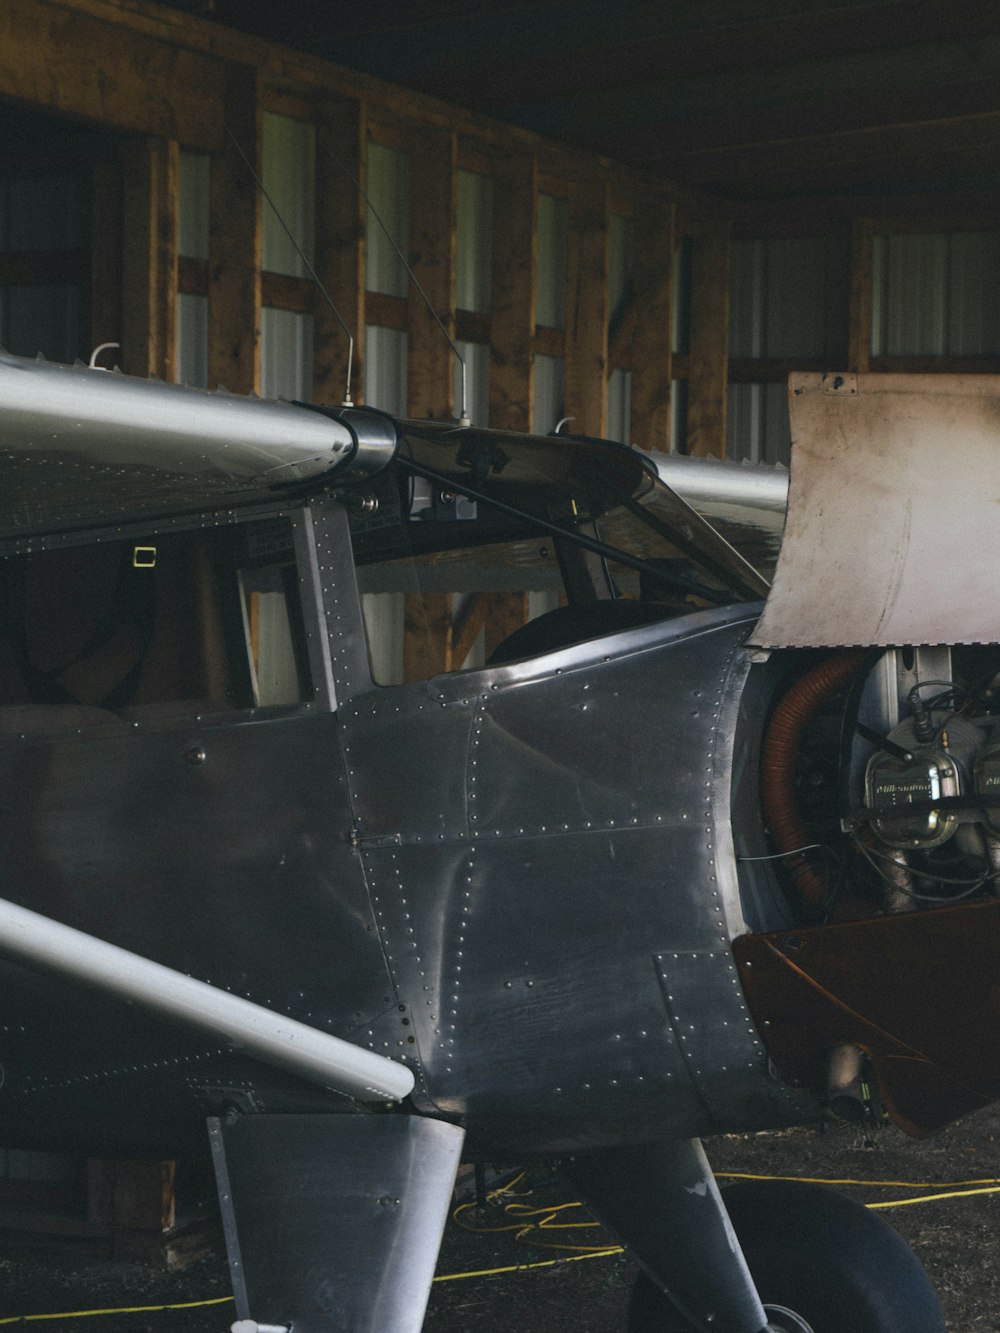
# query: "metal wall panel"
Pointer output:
{"type": "Point", "coordinates": [194, 178]}
{"type": "Point", "coordinates": [788, 297]}
{"type": "Point", "coordinates": [551, 242]}
{"type": "Point", "coordinates": [43, 212]}
{"type": "Point", "coordinates": [289, 173]}
{"type": "Point", "coordinates": [550, 377]}
{"type": "Point", "coordinates": [934, 294]}
{"type": "Point", "coordinates": [474, 242]}
{"type": "Point", "coordinates": [286, 354]}
{"type": "Point", "coordinates": [192, 340]}
{"type": "Point", "coordinates": [388, 216]}
{"type": "Point", "coordinates": [386, 369]}
{"type": "Point", "coordinates": [757, 423]}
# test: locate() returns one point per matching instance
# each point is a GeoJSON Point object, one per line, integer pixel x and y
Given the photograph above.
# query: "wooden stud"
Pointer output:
{"type": "Point", "coordinates": [860, 332]}
{"type": "Point", "coordinates": [431, 361]}
{"type": "Point", "coordinates": [149, 258]}
{"type": "Point", "coordinates": [708, 361]}
{"type": "Point", "coordinates": [651, 354]}
{"type": "Point", "coordinates": [234, 301]}
{"type": "Point", "coordinates": [465, 630]}
{"type": "Point", "coordinates": [587, 307]}
{"type": "Point", "coordinates": [340, 250]}
{"type": "Point", "coordinates": [426, 635]}
{"type": "Point", "coordinates": [511, 392]}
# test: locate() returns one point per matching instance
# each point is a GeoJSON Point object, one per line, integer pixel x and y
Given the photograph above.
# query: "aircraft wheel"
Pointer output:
{"type": "Point", "coordinates": [822, 1264]}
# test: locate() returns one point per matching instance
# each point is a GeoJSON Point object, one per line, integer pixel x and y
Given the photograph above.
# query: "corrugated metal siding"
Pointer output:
{"type": "Point", "coordinates": [290, 180]}
{"type": "Point", "coordinates": [38, 213]}
{"type": "Point", "coordinates": [286, 354]}
{"type": "Point", "coordinates": [549, 393]}
{"type": "Point", "coordinates": [386, 369]}
{"type": "Point", "coordinates": [757, 423]}
{"type": "Point", "coordinates": [389, 198]}
{"type": "Point", "coordinates": [936, 294]}
{"type": "Point", "coordinates": [551, 241]}
{"type": "Point", "coordinates": [474, 242]}
{"type": "Point", "coordinates": [788, 298]}
{"type": "Point", "coordinates": [194, 179]}
{"type": "Point", "coordinates": [192, 340]}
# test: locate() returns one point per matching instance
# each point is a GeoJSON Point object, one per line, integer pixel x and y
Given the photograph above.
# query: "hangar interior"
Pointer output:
{"type": "Point", "coordinates": [639, 217]}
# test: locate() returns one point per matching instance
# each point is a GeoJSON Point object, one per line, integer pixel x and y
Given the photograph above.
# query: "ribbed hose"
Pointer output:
{"type": "Point", "coordinates": [777, 768]}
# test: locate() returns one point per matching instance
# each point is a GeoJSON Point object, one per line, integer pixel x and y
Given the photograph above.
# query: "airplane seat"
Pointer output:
{"type": "Point", "coordinates": [566, 625]}
{"type": "Point", "coordinates": [56, 719]}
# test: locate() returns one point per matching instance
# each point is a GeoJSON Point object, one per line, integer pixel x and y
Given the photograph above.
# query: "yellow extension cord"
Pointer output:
{"type": "Point", "coordinates": [526, 1221]}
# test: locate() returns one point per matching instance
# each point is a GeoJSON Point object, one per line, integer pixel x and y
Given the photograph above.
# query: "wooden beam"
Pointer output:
{"type": "Point", "coordinates": [686, 141]}
{"type": "Point", "coordinates": [431, 361]}
{"type": "Point", "coordinates": [652, 338]}
{"type": "Point", "coordinates": [340, 232]}
{"type": "Point", "coordinates": [755, 41]}
{"type": "Point", "coordinates": [932, 210]}
{"type": "Point", "coordinates": [149, 257]}
{"type": "Point", "coordinates": [63, 59]}
{"type": "Point", "coordinates": [782, 92]}
{"type": "Point", "coordinates": [587, 306]}
{"type": "Point", "coordinates": [147, 37]}
{"type": "Point", "coordinates": [234, 302]}
{"type": "Point", "coordinates": [513, 322]}
{"type": "Point", "coordinates": [709, 356]}
{"type": "Point", "coordinates": [915, 155]}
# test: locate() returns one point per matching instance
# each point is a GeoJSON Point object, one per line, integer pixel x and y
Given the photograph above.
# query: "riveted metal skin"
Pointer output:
{"type": "Point", "coordinates": [373, 1191]}
{"type": "Point", "coordinates": [530, 881]}
{"type": "Point", "coordinates": [210, 860]}
{"type": "Point", "coordinates": [83, 447]}
{"type": "Point", "coordinates": [457, 869]}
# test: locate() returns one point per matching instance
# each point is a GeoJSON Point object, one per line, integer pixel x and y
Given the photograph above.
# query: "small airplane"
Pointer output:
{"type": "Point", "coordinates": [381, 793]}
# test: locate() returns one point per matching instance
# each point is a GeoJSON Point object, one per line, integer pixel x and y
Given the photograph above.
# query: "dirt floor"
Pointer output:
{"type": "Point", "coordinates": [955, 1237]}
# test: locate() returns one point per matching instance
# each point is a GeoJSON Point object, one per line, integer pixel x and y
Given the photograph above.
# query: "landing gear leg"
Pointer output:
{"type": "Point", "coordinates": [662, 1202]}
{"type": "Point", "coordinates": [822, 1263]}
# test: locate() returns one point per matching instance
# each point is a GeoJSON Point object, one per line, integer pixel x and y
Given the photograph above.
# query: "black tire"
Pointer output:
{"type": "Point", "coordinates": [812, 1251]}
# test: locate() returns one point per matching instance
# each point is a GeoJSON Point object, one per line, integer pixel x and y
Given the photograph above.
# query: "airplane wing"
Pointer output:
{"type": "Point", "coordinates": [744, 502]}
{"type": "Point", "coordinates": [86, 447]}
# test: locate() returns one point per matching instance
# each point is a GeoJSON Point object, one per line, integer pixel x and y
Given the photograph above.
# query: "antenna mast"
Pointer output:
{"type": "Point", "coordinates": [463, 419]}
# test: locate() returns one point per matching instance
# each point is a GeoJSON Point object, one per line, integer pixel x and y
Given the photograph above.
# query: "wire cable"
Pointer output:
{"type": "Point", "coordinates": [951, 1189]}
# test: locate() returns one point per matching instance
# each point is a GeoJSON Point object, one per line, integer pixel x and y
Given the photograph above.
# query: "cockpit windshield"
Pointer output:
{"type": "Point", "coordinates": [467, 516]}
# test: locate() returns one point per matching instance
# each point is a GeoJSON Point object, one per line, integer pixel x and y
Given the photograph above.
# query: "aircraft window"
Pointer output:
{"type": "Point", "coordinates": [450, 577]}
{"type": "Point", "coordinates": [208, 618]}
{"type": "Point", "coordinates": [447, 610]}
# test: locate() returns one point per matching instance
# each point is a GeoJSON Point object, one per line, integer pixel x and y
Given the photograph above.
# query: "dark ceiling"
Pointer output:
{"type": "Point", "coordinates": [746, 99]}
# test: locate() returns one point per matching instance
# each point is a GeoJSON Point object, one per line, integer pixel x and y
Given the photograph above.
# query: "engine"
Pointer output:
{"type": "Point", "coordinates": [928, 825]}
{"type": "Point", "coordinates": [880, 781]}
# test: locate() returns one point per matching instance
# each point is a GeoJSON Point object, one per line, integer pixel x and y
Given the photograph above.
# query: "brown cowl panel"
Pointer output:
{"type": "Point", "coordinates": [918, 992]}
